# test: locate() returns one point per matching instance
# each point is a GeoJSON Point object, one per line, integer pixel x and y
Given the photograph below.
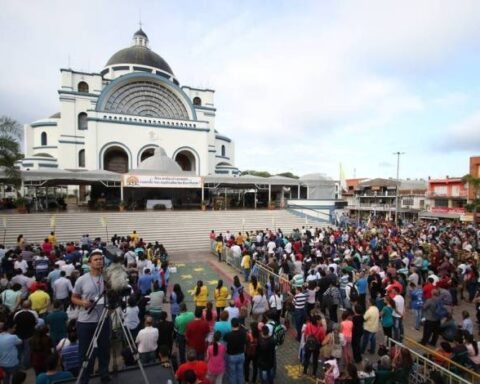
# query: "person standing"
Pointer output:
{"type": "Point", "coordinates": [235, 343]}
{"type": "Point", "coordinates": [40, 300]}
{"type": "Point", "coordinates": [299, 313]}
{"type": "Point", "coordinates": [176, 298]}
{"type": "Point", "coordinates": [370, 327]}
{"type": "Point", "coordinates": [62, 288]}
{"type": "Point", "coordinates": [431, 328]}
{"type": "Point", "coordinates": [216, 360]}
{"type": "Point", "coordinates": [200, 296]}
{"type": "Point", "coordinates": [8, 350]}
{"type": "Point", "coordinates": [387, 316]}
{"type": "Point", "coordinates": [416, 294]}
{"type": "Point", "coordinates": [266, 356]}
{"type": "Point", "coordinates": [87, 292]}
{"type": "Point", "coordinates": [196, 333]}
{"type": "Point", "coordinates": [181, 322]}
{"type": "Point", "coordinates": [147, 340]}
{"type": "Point", "coordinates": [246, 264]}
{"type": "Point", "coordinates": [57, 322]}
{"type": "Point", "coordinates": [361, 285]}
{"type": "Point", "coordinates": [398, 313]}
{"type": "Point", "coordinates": [357, 332]}
{"type": "Point", "coordinates": [221, 296]}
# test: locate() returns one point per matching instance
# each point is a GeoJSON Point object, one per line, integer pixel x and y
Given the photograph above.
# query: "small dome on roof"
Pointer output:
{"type": "Point", "coordinates": [139, 53]}
{"type": "Point", "coordinates": [141, 33]}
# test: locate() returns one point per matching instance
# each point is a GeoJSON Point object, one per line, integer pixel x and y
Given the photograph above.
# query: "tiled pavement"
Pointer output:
{"type": "Point", "coordinates": [204, 266]}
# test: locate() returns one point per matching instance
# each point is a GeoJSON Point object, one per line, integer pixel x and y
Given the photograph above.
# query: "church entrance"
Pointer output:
{"type": "Point", "coordinates": [115, 159]}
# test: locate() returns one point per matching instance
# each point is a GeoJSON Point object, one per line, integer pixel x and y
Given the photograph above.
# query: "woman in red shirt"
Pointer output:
{"type": "Point", "coordinates": [313, 335]}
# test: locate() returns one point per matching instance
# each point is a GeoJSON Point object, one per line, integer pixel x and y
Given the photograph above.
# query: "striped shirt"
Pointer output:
{"type": "Point", "coordinates": [70, 356]}
{"type": "Point", "coordinates": [299, 300]}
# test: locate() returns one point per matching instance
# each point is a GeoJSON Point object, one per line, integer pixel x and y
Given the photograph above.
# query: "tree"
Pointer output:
{"type": "Point", "coordinates": [288, 174]}
{"type": "Point", "coordinates": [256, 173]}
{"type": "Point", "coordinates": [10, 136]}
{"type": "Point", "coordinates": [474, 183]}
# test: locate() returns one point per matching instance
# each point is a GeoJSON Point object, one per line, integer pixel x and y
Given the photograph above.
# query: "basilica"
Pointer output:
{"type": "Point", "coordinates": [133, 109]}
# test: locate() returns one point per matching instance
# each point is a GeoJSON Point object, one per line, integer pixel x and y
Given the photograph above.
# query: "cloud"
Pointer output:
{"type": "Point", "coordinates": [463, 136]}
{"type": "Point", "coordinates": [298, 88]}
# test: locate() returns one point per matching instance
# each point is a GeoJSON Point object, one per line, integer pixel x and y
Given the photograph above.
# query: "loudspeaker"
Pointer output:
{"type": "Point", "coordinates": [155, 372]}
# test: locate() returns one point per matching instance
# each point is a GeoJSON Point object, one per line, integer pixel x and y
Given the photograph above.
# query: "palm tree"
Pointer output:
{"type": "Point", "coordinates": [10, 137]}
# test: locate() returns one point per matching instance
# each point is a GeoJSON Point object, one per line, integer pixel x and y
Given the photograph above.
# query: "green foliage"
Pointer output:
{"type": "Point", "coordinates": [10, 137]}
{"type": "Point", "coordinates": [473, 182]}
{"type": "Point", "coordinates": [256, 173]}
{"type": "Point", "coordinates": [267, 174]}
{"type": "Point", "coordinates": [288, 174]}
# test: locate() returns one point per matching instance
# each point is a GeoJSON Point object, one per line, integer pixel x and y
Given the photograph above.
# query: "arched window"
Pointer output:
{"type": "Point", "coordinates": [197, 101]}
{"type": "Point", "coordinates": [223, 150]}
{"type": "Point", "coordinates": [82, 121]}
{"type": "Point", "coordinates": [81, 158]}
{"type": "Point", "coordinates": [83, 87]}
{"type": "Point", "coordinates": [43, 138]}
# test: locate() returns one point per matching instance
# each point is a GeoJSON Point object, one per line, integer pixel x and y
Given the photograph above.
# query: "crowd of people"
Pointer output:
{"type": "Point", "coordinates": [337, 289]}
{"type": "Point", "coordinates": [359, 280]}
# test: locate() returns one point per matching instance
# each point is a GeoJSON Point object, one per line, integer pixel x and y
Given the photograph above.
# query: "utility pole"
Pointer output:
{"type": "Point", "coordinates": [397, 200]}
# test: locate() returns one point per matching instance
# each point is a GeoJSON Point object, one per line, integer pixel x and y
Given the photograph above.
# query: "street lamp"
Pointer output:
{"type": "Point", "coordinates": [398, 154]}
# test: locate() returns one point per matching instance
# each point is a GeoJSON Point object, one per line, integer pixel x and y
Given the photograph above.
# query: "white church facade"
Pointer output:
{"type": "Point", "coordinates": [115, 119]}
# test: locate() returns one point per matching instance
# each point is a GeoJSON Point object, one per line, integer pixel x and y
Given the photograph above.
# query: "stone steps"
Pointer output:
{"type": "Point", "coordinates": [170, 228]}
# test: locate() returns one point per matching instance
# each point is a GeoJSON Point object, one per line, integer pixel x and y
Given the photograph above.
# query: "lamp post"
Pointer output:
{"type": "Point", "coordinates": [398, 154]}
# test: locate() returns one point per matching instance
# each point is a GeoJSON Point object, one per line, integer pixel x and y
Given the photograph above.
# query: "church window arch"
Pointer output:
{"type": "Point", "coordinates": [81, 158]}
{"type": "Point", "coordinates": [82, 87]}
{"type": "Point", "coordinates": [197, 101]}
{"type": "Point", "coordinates": [82, 121]}
{"type": "Point", "coordinates": [223, 150]}
{"type": "Point", "coordinates": [43, 138]}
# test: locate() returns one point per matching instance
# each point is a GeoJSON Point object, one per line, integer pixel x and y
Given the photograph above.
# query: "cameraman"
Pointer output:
{"type": "Point", "coordinates": [88, 288]}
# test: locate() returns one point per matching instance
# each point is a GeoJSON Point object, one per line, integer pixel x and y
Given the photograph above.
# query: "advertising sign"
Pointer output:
{"type": "Point", "coordinates": [158, 181]}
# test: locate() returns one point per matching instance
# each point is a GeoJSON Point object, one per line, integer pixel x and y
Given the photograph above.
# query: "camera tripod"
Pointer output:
{"type": "Point", "coordinates": [93, 344]}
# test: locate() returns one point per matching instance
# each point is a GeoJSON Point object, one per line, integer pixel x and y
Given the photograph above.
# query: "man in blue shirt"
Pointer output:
{"type": "Point", "coordinates": [8, 350]}
{"type": "Point", "coordinates": [145, 282]}
{"type": "Point", "coordinates": [362, 284]}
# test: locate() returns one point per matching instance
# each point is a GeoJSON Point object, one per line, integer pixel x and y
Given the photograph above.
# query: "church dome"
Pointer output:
{"type": "Point", "coordinates": [140, 54]}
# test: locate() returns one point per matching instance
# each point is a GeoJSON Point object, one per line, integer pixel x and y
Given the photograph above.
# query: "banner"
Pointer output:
{"type": "Point", "coordinates": [153, 181]}
{"type": "Point", "coordinates": [447, 210]}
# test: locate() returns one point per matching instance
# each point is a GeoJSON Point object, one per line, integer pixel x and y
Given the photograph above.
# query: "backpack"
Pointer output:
{"type": "Point", "coordinates": [279, 332]}
{"type": "Point", "coordinates": [311, 342]}
{"type": "Point", "coordinates": [440, 311]}
{"type": "Point", "coordinates": [353, 293]}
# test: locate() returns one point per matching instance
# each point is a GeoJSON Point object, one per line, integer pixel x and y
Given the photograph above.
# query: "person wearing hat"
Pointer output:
{"type": "Point", "coordinates": [87, 293]}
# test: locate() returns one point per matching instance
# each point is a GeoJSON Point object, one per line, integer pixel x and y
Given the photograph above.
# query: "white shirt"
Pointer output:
{"type": "Point", "coordinates": [233, 313]}
{"type": "Point", "coordinates": [68, 268]}
{"type": "Point", "coordinates": [271, 247]}
{"type": "Point", "coordinates": [23, 265]}
{"type": "Point", "coordinates": [62, 288]}
{"type": "Point", "coordinates": [276, 302]}
{"type": "Point", "coordinates": [399, 306]}
{"type": "Point", "coordinates": [236, 250]}
{"type": "Point", "coordinates": [147, 339]}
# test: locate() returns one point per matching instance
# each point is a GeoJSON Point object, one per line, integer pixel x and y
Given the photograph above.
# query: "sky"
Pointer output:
{"type": "Point", "coordinates": [300, 86]}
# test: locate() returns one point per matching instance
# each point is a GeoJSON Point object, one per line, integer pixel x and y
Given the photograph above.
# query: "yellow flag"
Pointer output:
{"type": "Point", "coordinates": [53, 221]}
{"type": "Point", "coordinates": [103, 221]}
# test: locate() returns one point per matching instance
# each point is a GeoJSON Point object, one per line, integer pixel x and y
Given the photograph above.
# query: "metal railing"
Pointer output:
{"type": "Point", "coordinates": [260, 270]}
{"type": "Point", "coordinates": [309, 213]}
{"type": "Point", "coordinates": [461, 370]}
{"type": "Point", "coordinates": [423, 367]}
